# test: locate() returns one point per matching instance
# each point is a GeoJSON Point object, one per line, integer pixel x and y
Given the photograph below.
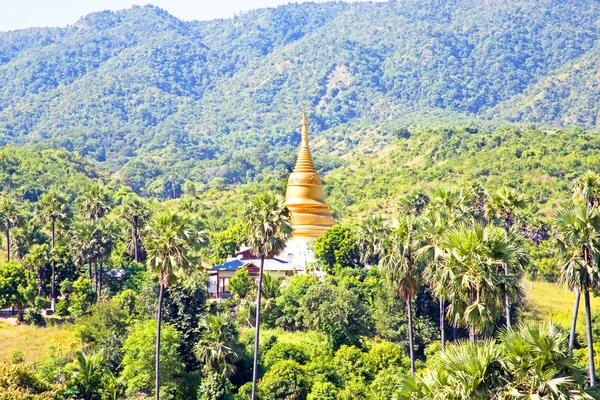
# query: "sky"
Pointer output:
{"type": "Point", "coordinates": [19, 14]}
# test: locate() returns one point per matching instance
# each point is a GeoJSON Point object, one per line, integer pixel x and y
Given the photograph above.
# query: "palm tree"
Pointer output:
{"type": "Point", "coordinates": [578, 231]}
{"type": "Point", "coordinates": [54, 207]}
{"type": "Point", "coordinates": [402, 269]}
{"type": "Point", "coordinates": [270, 290]}
{"type": "Point", "coordinates": [38, 257]}
{"type": "Point", "coordinates": [503, 205]}
{"type": "Point", "coordinates": [471, 276]}
{"type": "Point", "coordinates": [96, 202]}
{"type": "Point", "coordinates": [106, 237]}
{"type": "Point", "coordinates": [536, 356]}
{"type": "Point", "coordinates": [170, 241]}
{"type": "Point", "coordinates": [9, 215]}
{"type": "Point", "coordinates": [434, 223]}
{"type": "Point", "coordinates": [587, 189]}
{"type": "Point", "coordinates": [453, 201]}
{"type": "Point", "coordinates": [371, 236]}
{"type": "Point", "coordinates": [84, 244]}
{"type": "Point", "coordinates": [88, 380]}
{"type": "Point", "coordinates": [529, 363]}
{"type": "Point", "coordinates": [218, 348]}
{"type": "Point", "coordinates": [135, 211]}
{"type": "Point", "coordinates": [268, 229]}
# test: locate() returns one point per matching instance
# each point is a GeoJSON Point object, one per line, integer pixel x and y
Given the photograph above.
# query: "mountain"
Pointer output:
{"type": "Point", "coordinates": [158, 100]}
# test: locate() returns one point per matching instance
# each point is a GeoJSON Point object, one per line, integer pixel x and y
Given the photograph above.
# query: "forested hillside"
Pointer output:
{"type": "Point", "coordinates": [159, 100]}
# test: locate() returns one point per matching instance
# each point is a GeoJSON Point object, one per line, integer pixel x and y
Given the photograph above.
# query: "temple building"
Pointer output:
{"type": "Point", "coordinates": [310, 217]}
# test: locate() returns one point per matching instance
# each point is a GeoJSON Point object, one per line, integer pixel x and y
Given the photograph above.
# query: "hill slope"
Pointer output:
{"type": "Point", "coordinates": [161, 100]}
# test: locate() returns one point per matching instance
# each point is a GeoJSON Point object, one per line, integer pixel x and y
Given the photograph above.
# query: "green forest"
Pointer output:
{"type": "Point", "coordinates": [158, 100]}
{"type": "Point", "coordinates": [458, 146]}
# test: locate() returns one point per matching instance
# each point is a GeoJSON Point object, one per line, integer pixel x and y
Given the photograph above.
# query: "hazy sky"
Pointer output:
{"type": "Point", "coordinates": [17, 14]}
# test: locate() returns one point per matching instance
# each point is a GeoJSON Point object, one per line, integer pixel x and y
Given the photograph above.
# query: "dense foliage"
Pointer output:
{"type": "Point", "coordinates": [162, 100]}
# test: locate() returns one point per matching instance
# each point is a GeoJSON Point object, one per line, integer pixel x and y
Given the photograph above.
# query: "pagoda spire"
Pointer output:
{"type": "Point", "coordinates": [311, 216]}
{"type": "Point", "coordinates": [305, 161]}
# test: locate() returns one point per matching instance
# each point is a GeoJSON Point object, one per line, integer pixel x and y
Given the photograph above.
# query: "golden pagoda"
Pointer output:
{"type": "Point", "coordinates": [304, 196]}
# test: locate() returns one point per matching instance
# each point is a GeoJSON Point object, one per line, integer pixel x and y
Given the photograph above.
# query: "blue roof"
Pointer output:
{"type": "Point", "coordinates": [232, 265]}
{"type": "Point", "coordinates": [271, 264]}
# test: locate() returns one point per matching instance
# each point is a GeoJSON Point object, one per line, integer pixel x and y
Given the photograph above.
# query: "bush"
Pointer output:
{"type": "Point", "coordinates": [285, 380]}
{"type": "Point", "coordinates": [20, 383]}
{"type": "Point", "coordinates": [17, 357]}
{"type": "Point", "coordinates": [62, 308]}
{"type": "Point", "coordinates": [286, 351]}
{"type": "Point", "coordinates": [51, 367]}
{"type": "Point", "coordinates": [323, 391]}
{"type": "Point", "coordinates": [215, 387]}
{"type": "Point", "coordinates": [138, 360]}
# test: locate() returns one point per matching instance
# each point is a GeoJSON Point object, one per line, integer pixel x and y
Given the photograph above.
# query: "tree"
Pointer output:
{"type": "Point", "coordinates": [55, 208]}
{"type": "Point", "coordinates": [528, 363]}
{"type": "Point", "coordinates": [9, 216]}
{"type": "Point", "coordinates": [106, 237]}
{"type": "Point", "coordinates": [218, 348]}
{"type": "Point", "coordinates": [84, 244]}
{"type": "Point", "coordinates": [96, 201]}
{"type": "Point", "coordinates": [170, 241]}
{"type": "Point", "coordinates": [402, 269]}
{"type": "Point", "coordinates": [268, 229]}
{"type": "Point", "coordinates": [503, 205]}
{"type": "Point", "coordinates": [337, 249]}
{"type": "Point", "coordinates": [138, 359]}
{"type": "Point", "coordinates": [135, 211]}
{"type": "Point", "coordinates": [87, 381]}
{"type": "Point", "coordinates": [241, 283]}
{"type": "Point", "coordinates": [471, 276]}
{"type": "Point", "coordinates": [285, 380]}
{"type": "Point", "coordinates": [82, 297]}
{"type": "Point", "coordinates": [38, 258]}
{"type": "Point", "coordinates": [578, 230]}
{"type": "Point", "coordinates": [587, 189]}
{"type": "Point", "coordinates": [371, 236]}
{"type": "Point", "coordinates": [13, 281]}
{"type": "Point", "coordinates": [336, 311]}
{"type": "Point", "coordinates": [434, 224]}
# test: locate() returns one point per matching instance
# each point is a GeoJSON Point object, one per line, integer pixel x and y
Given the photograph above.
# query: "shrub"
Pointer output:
{"type": "Point", "coordinates": [62, 308]}
{"type": "Point", "coordinates": [19, 383]}
{"type": "Point", "coordinates": [17, 357]}
{"type": "Point", "coordinates": [285, 380]}
{"type": "Point", "coordinates": [138, 360]}
{"type": "Point", "coordinates": [215, 387]}
{"type": "Point", "coordinates": [323, 391]}
{"type": "Point", "coordinates": [286, 351]}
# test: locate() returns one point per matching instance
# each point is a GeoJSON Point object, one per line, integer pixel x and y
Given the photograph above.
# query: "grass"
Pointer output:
{"type": "Point", "coordinates": [549, 301]}
{"type": "Point", "coordinates": [34, 341]}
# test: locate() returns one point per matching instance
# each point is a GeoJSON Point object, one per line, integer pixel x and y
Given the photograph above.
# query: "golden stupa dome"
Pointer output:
{"type": "Point", "coordinates": [304, 196]}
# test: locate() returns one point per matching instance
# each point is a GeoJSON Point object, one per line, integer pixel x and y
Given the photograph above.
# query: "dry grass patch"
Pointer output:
{"type": "Point", "coordinates": [33, 341]}
{"type": "Point", "coordinates": [551, 302]}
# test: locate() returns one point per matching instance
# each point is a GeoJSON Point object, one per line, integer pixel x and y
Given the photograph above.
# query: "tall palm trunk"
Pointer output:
{"type": "Point", "coordinates": [40, 274]}
{"type": "Point", "coordinates": [96, 273]}
{"type": "Point", "coordinates": [53, 291]}
{"type": "Point", "coordinates": [590, 342]}
{"type": "Point", "coordinates": [7, 235]}
{"type": "Point", "coordinates": [100, 279]}
{"type": "Point", "coordinates": [157, 356]}
{"type": "Point", "coordinates": [507, 301]}
{"type": "Point", "coordinates": [442, 321]}
{"type": "Point", "coordinates": [257, 324]}
{"type": "Point", "coordinates": [574, 322]}
{"type": "Point", "coordinates": [411, 345]}
{"type": "Point", "coordinates": [135, 238]}
{"type": "Point", "coordinates": [90, 267]}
